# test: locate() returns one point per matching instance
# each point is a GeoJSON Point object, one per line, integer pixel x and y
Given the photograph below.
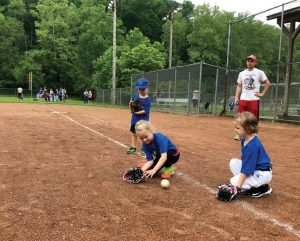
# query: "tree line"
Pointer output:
{"type": "Point", "coordinates": [68, 43]}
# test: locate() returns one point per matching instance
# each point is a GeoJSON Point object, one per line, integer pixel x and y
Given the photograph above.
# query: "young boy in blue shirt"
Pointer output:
{"type": "Point", "coordinates": [253, 173]}
{"type": "Point", "coordinates": [142, 85]}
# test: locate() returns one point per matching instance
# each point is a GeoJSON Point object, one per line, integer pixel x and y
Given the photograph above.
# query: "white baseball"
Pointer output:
{"type": "Point", "coordinates": [165, 183]}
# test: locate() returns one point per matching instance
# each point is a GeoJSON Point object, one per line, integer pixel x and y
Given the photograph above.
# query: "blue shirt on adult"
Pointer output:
{"type": "Point", "coordinates": [160, 145]}
{"type": "Point", "coordinates": [146, 107]}
{"type": "Point", "coordinates": [254, 156]}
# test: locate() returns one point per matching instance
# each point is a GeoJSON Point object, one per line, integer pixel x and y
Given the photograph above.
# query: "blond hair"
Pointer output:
{"type": "Point", "coordinates": [142, 126]}
{"type": "Point", "coordinates": [248, 121]}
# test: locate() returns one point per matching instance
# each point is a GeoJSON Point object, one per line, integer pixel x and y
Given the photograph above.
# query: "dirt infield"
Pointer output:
{"type": "Point", "coordinates": [61, 169]}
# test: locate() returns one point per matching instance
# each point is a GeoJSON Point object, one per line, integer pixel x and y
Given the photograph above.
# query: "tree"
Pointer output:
{"type": "Point", "coordinates": [31, 62]}
{"type": "Point", "coordinates": [136, 55]}
{"type": "Point", "coordinates": [208, 39]}
{"type": "Point", "coordinates": [133, 15]}
{"type": "Point", "coordinates": [56, 28]}
{"type": "Point", "coordinates": [95, 38]}
{"type": "Point", "coordinates": [11, 48]}
{"type": "Point", "coordinates": [182, 27]}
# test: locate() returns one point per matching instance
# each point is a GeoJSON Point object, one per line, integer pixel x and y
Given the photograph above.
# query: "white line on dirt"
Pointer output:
{"type": "Point", "coordinates": [243, 204]}
{"type": "Point", "coordinates": [86, 127]}
{"type": "Point", "coordinates": [188, 179]}
{"type": "Point", "coordinates": [103, 121]}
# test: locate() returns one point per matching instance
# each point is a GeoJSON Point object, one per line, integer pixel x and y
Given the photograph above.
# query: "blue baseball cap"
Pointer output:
{"type": "Point", "coordinates": [141, 83]}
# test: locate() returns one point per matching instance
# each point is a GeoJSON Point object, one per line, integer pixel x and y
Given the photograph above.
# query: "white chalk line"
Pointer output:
{"type": "Point", "coordinates": [243, 204]}
{"type": "Point", "coordinates": [106, 122]}
{"type": "Point", "coordinates": [195, 183]}
{"type": "Point", "coordinates": [86, 127]}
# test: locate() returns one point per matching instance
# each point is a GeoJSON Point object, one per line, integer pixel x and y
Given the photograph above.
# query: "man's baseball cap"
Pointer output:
{"type": "Point", "coordinates": [253, 57]}
{"type": "Point", "coordinates": [142, 83]}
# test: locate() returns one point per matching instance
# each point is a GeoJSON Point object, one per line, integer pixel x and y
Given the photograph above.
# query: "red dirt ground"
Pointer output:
{"type": "Point", "coordinates": [60, 180]}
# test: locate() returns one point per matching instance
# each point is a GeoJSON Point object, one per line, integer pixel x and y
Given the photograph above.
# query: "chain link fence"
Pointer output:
{"type": "Point", "coordinates": [205, 89]}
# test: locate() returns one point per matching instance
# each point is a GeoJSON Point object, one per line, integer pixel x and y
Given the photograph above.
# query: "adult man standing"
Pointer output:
{"type": "Point", "coordinates": [195, 99]}
{"type": "Point", "coordinates": [247, 93]}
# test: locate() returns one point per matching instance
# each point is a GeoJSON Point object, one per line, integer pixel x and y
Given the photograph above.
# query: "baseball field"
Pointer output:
{"type": "Point", "coordinates": [61, 172]}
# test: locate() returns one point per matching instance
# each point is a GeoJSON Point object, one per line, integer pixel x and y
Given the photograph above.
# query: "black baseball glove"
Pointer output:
{"type": "Point", "coordinates": [227, 192]}
{"type": "Point", "coordinates": [133, 175]}
{"type": "Point", "coordinates": [136, 105]}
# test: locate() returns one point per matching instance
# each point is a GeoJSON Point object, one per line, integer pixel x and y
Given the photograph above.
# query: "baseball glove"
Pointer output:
{"type": "Point", "coordinates": [136, 105]}
{"type": "Point", "coordinates": [227, 193]}
{"type": "Point", "coordinates": [133, 175]}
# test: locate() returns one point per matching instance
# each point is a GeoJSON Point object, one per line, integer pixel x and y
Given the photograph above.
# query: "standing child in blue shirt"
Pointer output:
{"type": "Point", "coordinates": [159, 150]}
{"type": "Point", "coordinates": [253, 173]}
{"type": "Point", "coordinates": [142, 85]}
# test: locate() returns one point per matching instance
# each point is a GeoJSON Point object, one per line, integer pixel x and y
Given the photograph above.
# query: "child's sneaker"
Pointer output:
{"type": "Point", "coordinates": [168, 172]}
{"type": "Point", "coordinates": [260, 191]}
{"type": "Point", "coordinates": [131, 150]}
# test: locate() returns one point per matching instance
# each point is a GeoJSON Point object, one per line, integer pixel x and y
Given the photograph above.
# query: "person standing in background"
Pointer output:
{"type": "Point", "coordinates": [247, 93]}
{"type": "Point", "coordinates": [20, 94]}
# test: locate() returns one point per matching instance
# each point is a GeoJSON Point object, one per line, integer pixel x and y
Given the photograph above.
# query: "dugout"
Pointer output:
{"type": "Point", "coordinates": [287, 20]}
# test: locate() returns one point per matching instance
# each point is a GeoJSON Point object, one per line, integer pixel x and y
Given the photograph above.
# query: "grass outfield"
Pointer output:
{"type": "Point", "coordinates": [13, 99]}
{"type": "Point", "coordinates": [69, 101]}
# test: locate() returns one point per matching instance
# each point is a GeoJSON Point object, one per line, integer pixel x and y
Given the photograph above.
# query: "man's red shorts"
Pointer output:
{"type": "Point", "coordinates": [249, 105]}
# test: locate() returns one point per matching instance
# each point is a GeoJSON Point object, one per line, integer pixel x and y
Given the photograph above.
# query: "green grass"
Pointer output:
{"type": "Point", "coordinates": [13, 99]}
{"type": "Point", "coordinates": [69, 101]}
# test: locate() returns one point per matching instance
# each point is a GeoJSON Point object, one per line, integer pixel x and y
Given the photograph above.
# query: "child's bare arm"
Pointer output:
{"type": "Point", "coordinates": [147, 165]}
{"type": "Point", "coordinates": [160, 162]}
{"type": "Point", "coordinates": [158, 166]}
{"type": "Point", "coordinates": [141, 112]}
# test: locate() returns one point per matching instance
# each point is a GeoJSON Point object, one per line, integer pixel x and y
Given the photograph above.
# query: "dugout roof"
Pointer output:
{"type": "Point", "coordinates": [290, 15]}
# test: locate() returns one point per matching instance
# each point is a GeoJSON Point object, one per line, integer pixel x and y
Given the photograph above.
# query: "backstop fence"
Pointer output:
{"type": "Point", "coordinates": [202, 88]}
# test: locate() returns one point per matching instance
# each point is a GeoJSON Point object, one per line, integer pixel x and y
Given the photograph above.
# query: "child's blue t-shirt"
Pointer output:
{"type": "Point", "coordinates": [146, 107]}
{"type": "Point", "coordinates": [160, 145]}
{"type": "Point", "coordinates": [254, 156]}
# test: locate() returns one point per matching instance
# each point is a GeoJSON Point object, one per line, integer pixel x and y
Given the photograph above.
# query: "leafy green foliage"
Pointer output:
{"type": "Point", "coordinates": [135, 56]}
{"type": "Point", "coordinates": [68, 43]}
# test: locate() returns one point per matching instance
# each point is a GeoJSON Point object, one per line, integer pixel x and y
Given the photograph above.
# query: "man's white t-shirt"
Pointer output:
{"type": "Point", "coordinates": [250, 81]}
{"type": "Point", "coordinates": [196, 95]}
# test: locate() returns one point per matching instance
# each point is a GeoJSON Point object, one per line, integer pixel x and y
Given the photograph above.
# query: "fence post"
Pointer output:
{"type": "Point", "coordinates": [299, 97]}
{"type": "Point", "coordinates": [130, 87]}
{"type": "Point", "coordinates": [216, 90]}
{"type": "Point", "coordinates": [271, 99]}
{"type": "Point", "coordinates": [188, 95]}
{"type": "Point", "coordinates": [156, 84]}
{"type": "Point", "coordinates": [200, 83]}
{"type": "Point", "coordinates": [175, 88]}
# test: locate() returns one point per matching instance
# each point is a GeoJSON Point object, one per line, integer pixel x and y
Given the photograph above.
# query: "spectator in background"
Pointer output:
{"type": "Point", "coordinates": [20, 93]}
{"type": "Point", "coordinates": [156, 96]}
{"type": "Point", "coordinates": [90, 96]}
{"type": "Point", "coordinates": [195, 99]}
{"type": "Point", "coordinates": [64, 94]}
{"type": "Point", "coordinates": [85, 97]}
{"type": "Point", "coordinates": [60, 94]}
{"type": "Point", "coordinates": [231, 102]}
{"type": "Point", "coordinates": [51, 95]}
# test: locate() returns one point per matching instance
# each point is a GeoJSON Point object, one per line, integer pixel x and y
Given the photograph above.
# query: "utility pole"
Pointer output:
{"type": "Point", "coordinates": [114, 62]}
{"type": "Point", "coordinates": [113, 6]}
{"type": "Point", "coordinates": [171, 15]}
